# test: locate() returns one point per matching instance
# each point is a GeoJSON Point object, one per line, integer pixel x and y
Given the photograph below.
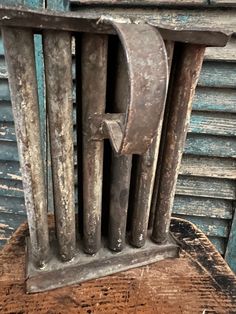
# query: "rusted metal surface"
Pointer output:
{"type": "Point", "coordinates": [120, 167]}
{"type": "Point", "coordinates": [58, 76]}
{"type": "Point", "coordinates": [169, 23]}
{"type": "Point", "coordinates": [185, 81]}
{"type": "Point", "coordinates": [86, 267]}
{"type": "Point", "coordinates": [145, 178]}
{"type": "Point", "coordinates": [170, 50]}
{"type": "Point", "coordinates": [19, 54]}
{"type": "Point", "coordinates": [144, 92]}
{"type": "Point", "coordinates": [133, 126]}
{"type": "Point", "coordinates": [147, 90]}
{"type": "Point", "coordinates": [94, 68]}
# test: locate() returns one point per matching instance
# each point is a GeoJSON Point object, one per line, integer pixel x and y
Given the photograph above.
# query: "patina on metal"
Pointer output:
{"type": "Point", "coordinates": [135, 126]}
{"type": "Point", "coordinates": [205, 33]}
{"type": "Point", "coordinates": [19, 54]}
{"type": "Point", "coordinates": [120, 165]}
{"type": "Point", "coordinates": [58, 77]}
{"type": "Point", "coordinates": [146, 56]}
{"type": "Point", "coordinates": [185, 81]}
{"type": "Point", "coordinates": [94, 73]}
{"type": "Point", "coordinates": [145, 177]}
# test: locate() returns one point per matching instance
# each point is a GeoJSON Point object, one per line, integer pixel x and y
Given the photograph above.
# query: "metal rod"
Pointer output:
{"type": "Point", "coordinates": [20, 59]}
{"type": "Point", "coordinates": [186, 77]}
{"type": "Point", "coordinates": [58, 75]}
{"type": "Point", "coordinates": [120, 166]}
{"type": "Point", "coordinates": [94, 73]}
{"type": "Point", "coordinates": [146, 170]}
{"type": "Point", "coordinates": [171, 65]}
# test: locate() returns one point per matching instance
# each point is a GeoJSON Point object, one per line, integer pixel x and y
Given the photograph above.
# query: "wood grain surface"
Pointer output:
{"type": "Point", "coordinates": [197, 282]}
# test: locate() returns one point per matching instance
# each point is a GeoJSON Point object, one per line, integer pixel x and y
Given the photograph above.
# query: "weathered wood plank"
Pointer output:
{"type": "Point", "coordinates": [175, 17]}
{"type": "Point", "coordinates": [206, 187]}
{"type": "Point", "coordinates": [227, 53]}
{"type": "Point", "coordinates": [6, 111]}
{"type": "Point", "coordinates": [208, 167]}
{"type": "Point", "coordinates": [8, 151]}
{"type": "Point", "coordinates": [11, 188]}
{"type": "Point", "coordinates": [209, 226]}
{"type": "Point", "coordinates": [218, 74]}
{"type": "Point", "coordinates": [213, 123]}
{"type": "Point", "coordinates": [14, 205]}
{"type": "Point", "coordinates": [4, 90]}
{"type": "Point", "coordinates": [219, 243]}
{"type": "Point", "coordinates": [9, 223]}
{"type": "Point", "coordinates": [215, 99]}
{"type": "Point", "coordinates": [7, 132]}
{"type": "Point", "coordinates": [210, 145]}
{"type": "Point", "coordinates": [10, 170]}
{"type": "Point", "coordinates": [202, 207]}
{"type": "Point", "coordinates": [1, 46]}
{"type": "Point", "coordinates": [3, 68]}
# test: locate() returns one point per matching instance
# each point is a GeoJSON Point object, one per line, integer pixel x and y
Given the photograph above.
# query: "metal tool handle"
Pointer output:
{"type": "Point", "coordinates": [147, 65]}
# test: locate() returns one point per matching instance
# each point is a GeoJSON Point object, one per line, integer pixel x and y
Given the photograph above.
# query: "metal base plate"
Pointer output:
{"type": "Point", "coordinates": [84, 267]}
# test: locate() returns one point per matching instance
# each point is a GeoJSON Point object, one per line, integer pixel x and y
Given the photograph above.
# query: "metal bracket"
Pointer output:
{"type": "Point", "coordinates": [147, 65]}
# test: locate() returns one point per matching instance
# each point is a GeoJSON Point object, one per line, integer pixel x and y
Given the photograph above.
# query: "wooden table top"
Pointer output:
{"type": "Point", "coordinates": [199, 281]}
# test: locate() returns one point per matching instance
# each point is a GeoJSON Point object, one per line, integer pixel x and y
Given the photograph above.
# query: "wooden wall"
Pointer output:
{"type": "Point", "coordinates": [206, 185]}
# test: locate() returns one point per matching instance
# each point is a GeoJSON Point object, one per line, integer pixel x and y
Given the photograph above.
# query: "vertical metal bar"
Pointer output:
{"type": "Point", "coordinates": [20, 59]}
{"type": "Point", "coordinates": [58, 75]}
{"type": "Point", "coordinates": [170, 49]}
{"type": "Point", "coordinates": [79, 131]}
{"type": "Point", "coordinates": [146, 170]}
{"type": "Point", "coordinates": [120, 167]}
{"type": "Point", "coordinates": [186, 77]}
{"type": "Point", "coordinates": [94, 72]}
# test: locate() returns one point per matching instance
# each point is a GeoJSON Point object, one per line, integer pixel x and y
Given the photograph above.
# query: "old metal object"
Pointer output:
{"type": "Point", "coordinates": [145, 178]}
{"type": "Point", "coordinates": [58, 77]}
{"type": "Point", "coordinates": [200, 32]}
{"type": "Point", "coordinates": [19, 47]}
{"type": "Point", "coordinates": [147, 91]}
{"type": "Point", "coordinates": [186, 76]}
{"type": "Point", "coordinates": [94, 68]}
{"type": "Point", "coordinates": [120, 166]}
{"type": "Point", "coordinates": [133, 125]}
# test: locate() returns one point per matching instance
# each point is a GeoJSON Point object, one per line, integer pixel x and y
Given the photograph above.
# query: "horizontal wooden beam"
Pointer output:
{"type": "Point", "coordinates": [202, 207]}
